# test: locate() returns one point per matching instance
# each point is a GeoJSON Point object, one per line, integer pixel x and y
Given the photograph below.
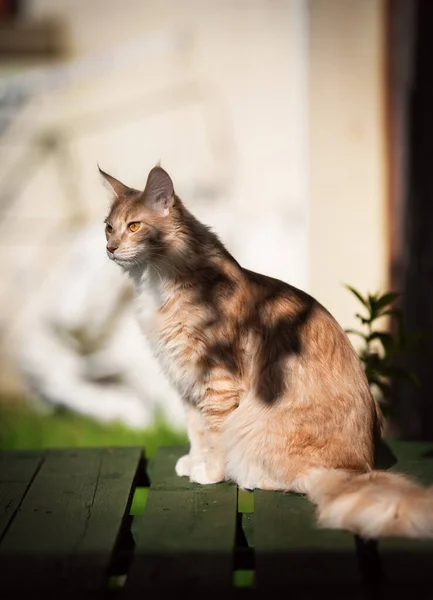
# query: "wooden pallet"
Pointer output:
{"type": "Point", "coordinates": [73, 523]}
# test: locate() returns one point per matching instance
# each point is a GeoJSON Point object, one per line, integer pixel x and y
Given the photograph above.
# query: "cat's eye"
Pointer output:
{"type": "Point", "coordinates": [108, 228]}
{"type": "Point", "coordinates": [135, 226]}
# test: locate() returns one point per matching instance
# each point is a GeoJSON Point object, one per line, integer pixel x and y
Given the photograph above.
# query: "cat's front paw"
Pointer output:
{"type": "Point", "coordinates": [183, 466]}
{"type": "Point", "coordinates": [201, 474]}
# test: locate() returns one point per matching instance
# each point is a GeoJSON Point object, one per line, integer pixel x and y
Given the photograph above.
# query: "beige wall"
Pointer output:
{"type": "Point", "coordinates": [223, 108]}
{"type": "Point", "coordinates": [347, 220]}
{"type": "Point", "coordinates": [272, 107]}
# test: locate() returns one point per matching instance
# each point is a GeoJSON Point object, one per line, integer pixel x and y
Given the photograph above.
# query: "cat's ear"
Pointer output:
{"type": "Point", "coordinates": [159, 192]}
{"type": "Point", "coordinates": [115, 185]}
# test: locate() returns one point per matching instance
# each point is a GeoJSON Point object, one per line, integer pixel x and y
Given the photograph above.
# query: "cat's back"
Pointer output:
{"type": "Point", "coordinates": [302, 345]}
{"type": "Point", "coordinates": [287, 314]}
{"type": "Point", "coordinates": [276, 300]}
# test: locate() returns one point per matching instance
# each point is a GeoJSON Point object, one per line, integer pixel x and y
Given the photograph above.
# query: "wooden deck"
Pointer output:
{"type": "Point", "coordinates": [67, 530]}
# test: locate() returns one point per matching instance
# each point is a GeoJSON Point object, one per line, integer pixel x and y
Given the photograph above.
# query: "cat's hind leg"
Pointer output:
{"type": "Point", "coordinates": [258, 452]}
{"type": "Point", "coordinates": [253, 477]}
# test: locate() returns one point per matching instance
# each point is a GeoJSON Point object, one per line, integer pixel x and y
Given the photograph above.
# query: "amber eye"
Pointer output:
{"type": "Point", "coordinates": [108, 228]}
{"type": "Point", "coordinates": [135, 226]}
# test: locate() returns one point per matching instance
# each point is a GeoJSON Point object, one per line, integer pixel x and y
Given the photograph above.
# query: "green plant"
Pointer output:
{"type": "Point", "coordinates": [382, 350]}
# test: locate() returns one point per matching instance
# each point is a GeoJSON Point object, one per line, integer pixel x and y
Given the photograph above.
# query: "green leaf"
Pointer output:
{"type": "Point", "coordinates": [371, 372]}
{"type": "Point", "coordinates": [386, 299]}
{"type": "Point", "coordinates": [363, 320]}
{"type": "Point", "coordinates": [376, 315]}
{"type": "Point", "coordinates": [372, 304]}
{"type": "Point", "coordinates": [373, 364]}
{"type": "Point", "coordinates": [357, 294]}
{"type": "Point", "coordinates": [379, 335]}
{"type": "Point", "coordinates": [384, 338]}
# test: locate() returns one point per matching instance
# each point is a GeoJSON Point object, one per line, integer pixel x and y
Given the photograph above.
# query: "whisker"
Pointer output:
{"type": "Point", "coordinates": [157, 271]}
{"type": "Point", "coordinates": [168, 264]}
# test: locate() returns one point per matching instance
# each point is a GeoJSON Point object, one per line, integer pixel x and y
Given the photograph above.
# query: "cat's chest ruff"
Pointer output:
{"type": "Point", "coordinates": [174, 327]}
{"type": "Point", "coordinates": [180, 348]}
{"type": "Point", "coordinates": [179, 331]}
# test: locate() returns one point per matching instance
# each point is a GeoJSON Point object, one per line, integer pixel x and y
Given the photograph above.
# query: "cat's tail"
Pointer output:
{"type": "Point", "coordinates": [372, 505]}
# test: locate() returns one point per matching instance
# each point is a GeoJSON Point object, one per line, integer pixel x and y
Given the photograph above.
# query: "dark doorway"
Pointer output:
{"type": "Point", "coordinates": [411, 201]}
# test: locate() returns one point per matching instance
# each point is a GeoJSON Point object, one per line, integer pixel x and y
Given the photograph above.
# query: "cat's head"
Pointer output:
{"type": "Point", "coordinates": [141, 226]}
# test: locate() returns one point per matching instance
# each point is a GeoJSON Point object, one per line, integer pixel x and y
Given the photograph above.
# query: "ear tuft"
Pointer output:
{"type": "Point", "coordinates": [115, 185]}
{"type": "Point", "coordinates": [159, 191]}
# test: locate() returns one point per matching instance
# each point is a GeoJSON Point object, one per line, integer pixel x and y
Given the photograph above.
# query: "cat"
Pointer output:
{"type": "Point", "coordinates": [275, 395]}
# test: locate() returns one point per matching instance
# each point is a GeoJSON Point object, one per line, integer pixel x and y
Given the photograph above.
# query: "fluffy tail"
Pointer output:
{"type": "Point", "coordinates": [372, 505]}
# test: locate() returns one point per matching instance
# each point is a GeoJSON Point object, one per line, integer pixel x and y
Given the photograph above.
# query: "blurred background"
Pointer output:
{"type": "Point", "coordinates": [301, 130]}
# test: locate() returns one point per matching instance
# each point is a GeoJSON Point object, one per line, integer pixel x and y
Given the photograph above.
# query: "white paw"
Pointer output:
{"type": "Point", "coordinates": [183, 466]}
{"type": "Point", "coordinates": [199, 474]}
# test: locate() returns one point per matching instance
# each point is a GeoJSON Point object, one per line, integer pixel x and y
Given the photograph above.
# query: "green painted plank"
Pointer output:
{"type": "Point", "coordinates": [19, 465]}
{"type": "Point", "coordinates": [420, 470]}
{"type": "Point", "coordinates": [186, 537]}
{"type": "Point", "coordinates": [162, 470]}
{"type": "Point", "coordinates": [392, 453]}
{"type": "Point", "coordinates": [291, 551]}
{"type": "Point", "coordinates": [285, 534]}
{"type": "Point", "coordinates": [16, 473]}
{"type": "Point", "coordinates": [66, 529]}
{"type": "Point", "coordinates": [413, 458]}
{"type": "Point", "coordinates": [408, 451]}
{"type": "Point", "coordinates": [108, 515]}
{"type": "Point", "coordinates": [407, 563]}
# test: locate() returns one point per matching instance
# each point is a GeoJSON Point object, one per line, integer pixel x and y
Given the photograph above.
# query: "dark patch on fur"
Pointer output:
{"type": "Point", "coordinates": [277, 343]}
{"type": "Point", "coordinates": [223, 354]}
{"type": "Point", "coordinates": [213, 287]}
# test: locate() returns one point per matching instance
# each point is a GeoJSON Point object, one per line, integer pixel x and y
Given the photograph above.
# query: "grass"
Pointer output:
{"type": "Point", "coordinates": [24, 427]}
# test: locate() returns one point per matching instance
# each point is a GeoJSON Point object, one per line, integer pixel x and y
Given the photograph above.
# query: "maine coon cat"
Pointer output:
{"type": "Point", "coordinates": [275, 395]}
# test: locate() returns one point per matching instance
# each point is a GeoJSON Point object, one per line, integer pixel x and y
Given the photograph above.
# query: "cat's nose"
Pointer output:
{"type": "Point", "coordinates": [111, 248]}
